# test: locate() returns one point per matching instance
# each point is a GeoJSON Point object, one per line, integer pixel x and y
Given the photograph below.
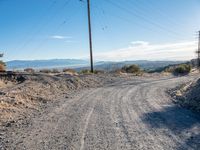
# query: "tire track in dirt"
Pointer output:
{"type": "Point", "coordinates": [85, 129]}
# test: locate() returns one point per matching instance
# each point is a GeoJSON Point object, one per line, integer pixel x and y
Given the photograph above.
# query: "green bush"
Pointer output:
{"type": "Point", "coordinates": [85, 71]}
{"type": "Point", "coordinates": [131, 69]}
{"type": "Point", "coordinates": [183, 69]}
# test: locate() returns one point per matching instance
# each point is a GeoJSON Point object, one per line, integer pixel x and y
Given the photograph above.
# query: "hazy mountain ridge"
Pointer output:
{"type": "Point", "coordinates": [51, 63]}
{"type": "Point", "coordinates": [84, 64]}
{"type": "Point", "coordinates": [144, 64]}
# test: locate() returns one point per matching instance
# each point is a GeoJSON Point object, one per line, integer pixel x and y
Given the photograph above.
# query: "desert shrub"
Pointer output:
{"type": "Point", "coordinates": [99, 72]}
{"type": "Point", "coordinates": [85, 71]}
{"type": "Point", "coordinates": [29, 70]}
{"type": "Point", "coordinates": [2, 68]}
{"type": "Point", "coordinates": [131, 69]}
{"type": "Point", "coordinates": [183, 69]}
{"type": "Point", "coordinates": [55, 71]}
{"type": "Point", "coordinates": [117, 71]}
{"type": "Point", "coordinates": [69, 70]}
{"type": "Point", "coordinates": [45, 71]}
{"type": "Point", "coordinates": [169, 69]}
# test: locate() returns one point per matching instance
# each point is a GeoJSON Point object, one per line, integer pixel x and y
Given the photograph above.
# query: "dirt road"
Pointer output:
{"type": "Point", "coordinates": [136, 114]}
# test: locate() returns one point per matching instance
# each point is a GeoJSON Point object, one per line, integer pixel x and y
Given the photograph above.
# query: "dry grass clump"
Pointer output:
{"type": "Point", "coordinates": [45, 71]}
{"type": "Point", "coordinates": [29, 70]}
{"type": "Point", "coordinates": [99, 72]}
{"type": "Point", "coordinates": [49, 71]}
{"type": "Point", "coordinates": [70, 71]}
{"type": "Point", "coordinates": [55, 71]}
{"type": "Point", "coordinates": [85, 71]}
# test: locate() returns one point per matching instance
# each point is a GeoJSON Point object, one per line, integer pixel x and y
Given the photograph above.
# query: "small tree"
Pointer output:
{"type": "Point", "coordinates": [2, 64]}
{"type": "Point", "coordinates": [183, 69]}
{"type": "Point", "coordinates": [131, 69]}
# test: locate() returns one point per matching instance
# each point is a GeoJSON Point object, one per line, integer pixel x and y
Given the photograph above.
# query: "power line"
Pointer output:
{"type": "Point", "coordinates": [143, 18]}
{"type": "Point", "coordinates": [29, 36]}
{"type": "Point", "coordinates": [143, 27]}
{"type": "Point", "coordinates": [159, 11]}
{"type": "Point", "coordinates": [44, 24]}
{"type": "Point", "coordinates": [55, 32]}
{"type": "Point", "coordinates": [100, 16]}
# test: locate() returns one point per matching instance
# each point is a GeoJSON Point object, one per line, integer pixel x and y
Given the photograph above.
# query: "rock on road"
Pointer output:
{"type": "Point", "coordinates": [131, 115]}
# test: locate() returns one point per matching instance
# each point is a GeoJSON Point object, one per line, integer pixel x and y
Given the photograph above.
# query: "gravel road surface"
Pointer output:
{"type": "Point", "coordinates": [130, 115]}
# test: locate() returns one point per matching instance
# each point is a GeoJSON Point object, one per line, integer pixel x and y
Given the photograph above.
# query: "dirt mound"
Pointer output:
{"type": "Point", "coordinates": [188, 95]}
{"type": "Point", "coordinates": [18, 99]}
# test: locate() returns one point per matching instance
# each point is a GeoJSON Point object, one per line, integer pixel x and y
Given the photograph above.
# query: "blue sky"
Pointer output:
{"type": "Point", "coordinates": [122, 29]}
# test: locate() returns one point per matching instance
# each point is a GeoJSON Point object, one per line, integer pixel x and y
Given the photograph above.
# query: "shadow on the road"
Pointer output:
{"type": "Point", "coordinates": [179, 121]}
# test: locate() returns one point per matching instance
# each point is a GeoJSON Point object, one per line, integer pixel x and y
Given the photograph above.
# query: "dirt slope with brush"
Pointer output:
{"type": "Point", "coordinates": [188, 95]}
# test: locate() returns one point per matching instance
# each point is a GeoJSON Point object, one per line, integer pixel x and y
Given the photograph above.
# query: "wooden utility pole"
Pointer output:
{"type": "Point", "coordinates": [198, 51]}
{"type": "Point", "coordinates": [90, 36]}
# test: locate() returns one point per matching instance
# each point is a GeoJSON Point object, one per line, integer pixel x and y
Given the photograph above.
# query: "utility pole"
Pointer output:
{"type": "Point", "coordinates": [90, 36]}
{"type": "Point", "coordinates": [198, 52]}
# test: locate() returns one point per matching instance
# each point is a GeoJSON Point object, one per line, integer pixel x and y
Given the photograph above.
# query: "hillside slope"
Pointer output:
{"type": "Point", "coordinates": [188, 95]}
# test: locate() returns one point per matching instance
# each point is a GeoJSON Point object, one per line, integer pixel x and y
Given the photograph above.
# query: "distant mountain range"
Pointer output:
{"type": "Point", "coordinates": [144, 64]}
{"type": "Point", "coordinates": [79, 64]}
{"type": "Point", "coordinates": [51, 63]}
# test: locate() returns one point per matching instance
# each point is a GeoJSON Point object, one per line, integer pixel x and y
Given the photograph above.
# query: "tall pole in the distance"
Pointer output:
{"type": "Point", "coordinates": [90, 36]}
{"type": "Point", "coordinates": [198, 53]}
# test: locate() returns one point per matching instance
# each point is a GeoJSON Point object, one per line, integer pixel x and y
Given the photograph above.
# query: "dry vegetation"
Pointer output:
{"type": "Point", "coordinates": [179, 69]}
{"type": "Point", "coordinates": [70, 71]}
{"type": "Point", "coordinates": [130, 69]}
{"type": "Point", "coordinates": [2, 66]}
{"type": "Point", "coordinates": [29, 70]}
{"type": "Point", "coordinates": [188, 95]}
{"type": "Point", "coordinates": [45, 71]}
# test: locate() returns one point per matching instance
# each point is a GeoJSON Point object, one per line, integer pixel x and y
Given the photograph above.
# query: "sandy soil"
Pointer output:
{"type": "Point", "coordinates": [118, 113]}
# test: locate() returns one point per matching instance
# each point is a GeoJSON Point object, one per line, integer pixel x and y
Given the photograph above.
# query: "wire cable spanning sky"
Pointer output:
{"type": "Point", "coordinates": [122, 29]}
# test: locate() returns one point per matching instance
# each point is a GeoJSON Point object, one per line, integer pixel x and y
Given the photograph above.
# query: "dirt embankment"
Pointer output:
{"type": "Point", "coordinates": [18, 98]}
{"type": "Point", "coordinates": [188, 95]}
